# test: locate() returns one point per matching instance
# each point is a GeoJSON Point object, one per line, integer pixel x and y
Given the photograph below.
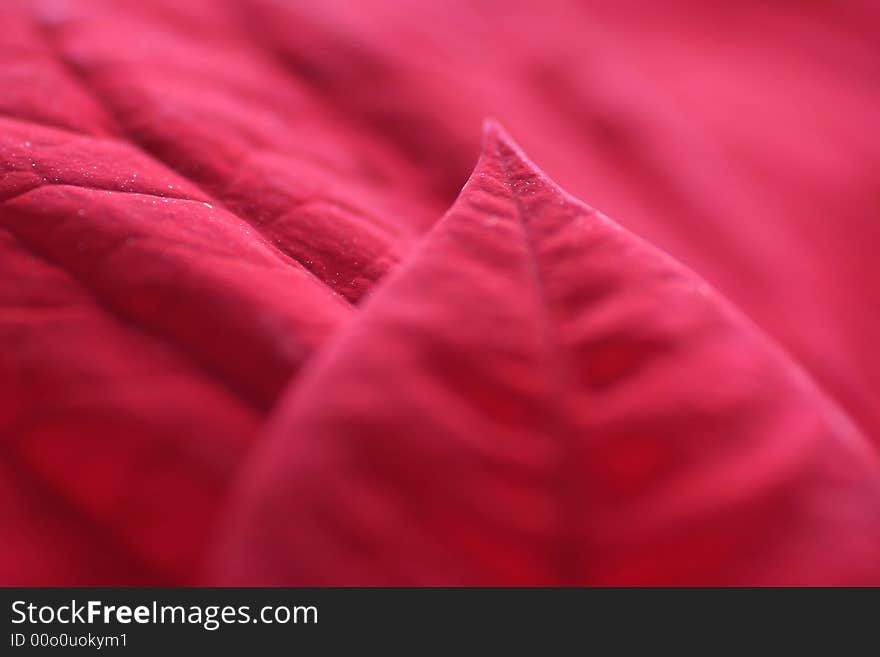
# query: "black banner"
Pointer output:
{"type": "Point", "coordinates": [321, 621]}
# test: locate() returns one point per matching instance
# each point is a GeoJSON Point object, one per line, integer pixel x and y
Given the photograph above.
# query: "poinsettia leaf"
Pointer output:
{"type": "Point", "coordinates": [175, 242]}
{"type": "Point", "coordinates": [146, 331]}
{"type": "Point", "coordinates": [537, 396]}
{"type": "Point", "coordinates": [255, 139]}
{"type": "Point", "coordinates": [698, 143]}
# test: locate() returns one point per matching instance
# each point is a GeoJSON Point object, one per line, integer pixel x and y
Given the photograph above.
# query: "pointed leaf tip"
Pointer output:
{"type": "Point", "coordinates": [535, 399]}
{"type": "Point", "coordinates": [498, 142]}
{"type": "Point", "coordinates": [492, 130]}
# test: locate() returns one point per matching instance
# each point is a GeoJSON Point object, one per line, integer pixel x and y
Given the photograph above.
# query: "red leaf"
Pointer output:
{"type": "Point", "coordinates": [145, 332]}
{"type": "Point", "coordinates": [539, 397]}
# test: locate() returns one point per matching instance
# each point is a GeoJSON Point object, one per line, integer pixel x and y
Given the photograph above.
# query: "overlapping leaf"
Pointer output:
{"type": "Point", "coordinates": [538, 397]}
{"type": "Point", "coordinates": [194, 196]}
